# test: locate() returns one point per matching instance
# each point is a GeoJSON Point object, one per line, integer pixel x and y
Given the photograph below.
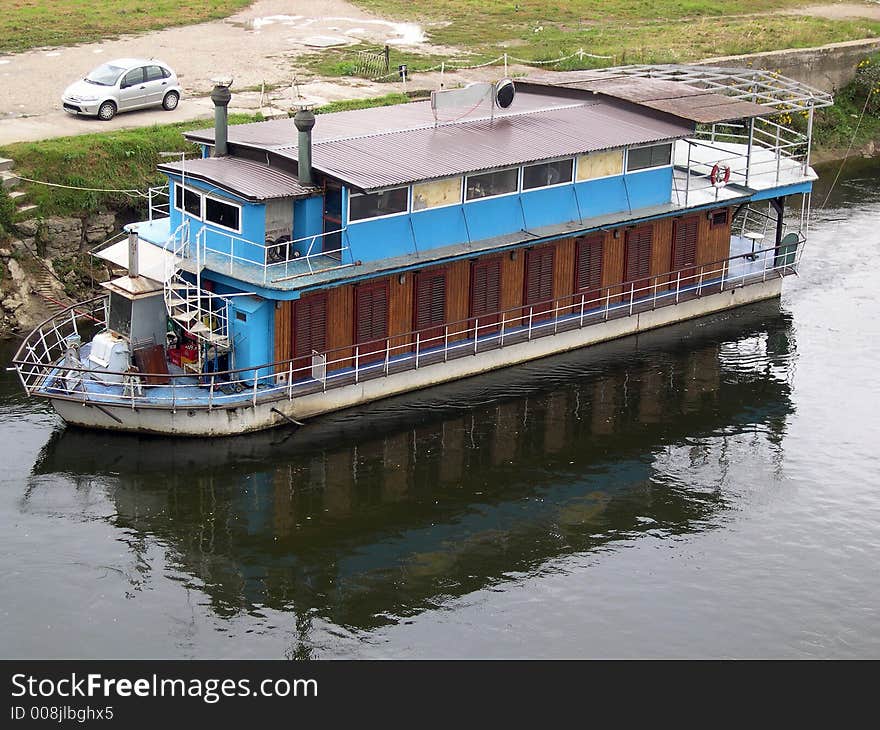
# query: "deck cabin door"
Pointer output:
{"type": "Point", "coordinates": [589, 253]}
{"type": "Point", "coordinates": [684, 252]}
{"type": "Point", "coordinates": [371, 320]}
{"type": "Point", "coordinates": [331, 242]}
{"type": "Point", "coordinates": [637, 261]}
{"type": "Point", "coordinates": [309, 332]}
{"type": "Point", "coordinates": [485, 294]}
{"type": "Point", "coordinates": [538, 291]}
{"type": "Point", "coordinates": [429, 316]}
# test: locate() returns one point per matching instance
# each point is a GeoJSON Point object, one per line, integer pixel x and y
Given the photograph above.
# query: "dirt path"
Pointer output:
{"type": "Point", "coordinates": [259, 45]}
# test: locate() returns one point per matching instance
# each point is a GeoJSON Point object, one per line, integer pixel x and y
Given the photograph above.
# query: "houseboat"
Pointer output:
{"type": "Point", "coordinates": [305, 265]}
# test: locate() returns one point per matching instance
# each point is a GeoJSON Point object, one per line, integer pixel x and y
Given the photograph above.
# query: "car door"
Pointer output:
{"type": "Point", "coordinates": [132, 89]}
{"type": "Point", "coordinates": [156, 83]}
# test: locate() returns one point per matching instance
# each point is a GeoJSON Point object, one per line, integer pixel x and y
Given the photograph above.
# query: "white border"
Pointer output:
{"type": "Point", "coordinates": [202, 208]}
{"type": "Point", "coordinates": [525, 190]}
{"type": "Point", "coordinates": [517, 191]}
{"type": "Point", "coordinates": [351, 195]}
{"type": "Point", "coordinates": [622, 151]}
{"type": "Point", "coordinates": [445, 205]}
{"type": "Point", "coordinates": [205, 197]}
{"type": "Point", "coordinates": [671, 162]}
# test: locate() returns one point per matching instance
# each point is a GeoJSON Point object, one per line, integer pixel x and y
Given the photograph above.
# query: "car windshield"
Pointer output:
{"type": "Point", "coordinates": [105, 75]}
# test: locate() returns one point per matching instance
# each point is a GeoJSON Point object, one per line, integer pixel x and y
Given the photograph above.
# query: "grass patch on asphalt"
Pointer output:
{"type": "Point", "coordinates": [28, 24]}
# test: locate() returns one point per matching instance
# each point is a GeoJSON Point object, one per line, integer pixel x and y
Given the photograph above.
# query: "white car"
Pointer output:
{"type": "Point", "coordinates": [123, 85]}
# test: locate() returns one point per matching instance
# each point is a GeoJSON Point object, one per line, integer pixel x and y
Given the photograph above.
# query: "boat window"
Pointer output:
{"type": "Point", "coordinates": [599, 164]}
{"type": "Point", "coordinates": [546, 174]}
{"type": "Point", "coordinates": [188, 200]}
{"type": "Point", "coordinates": [642, 158]}
{"type": "Point", "coordinates": [377, 205]}
{"type": "Point", "coordinates": [437, 193]}
{"type": "Point", "coordinates": [223, 214]}
{"type": "Point", "coordinates": [488, 184]}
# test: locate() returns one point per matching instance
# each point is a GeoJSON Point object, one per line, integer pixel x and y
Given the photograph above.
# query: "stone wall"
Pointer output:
{"type": "Point", "coordinates": [58, 237]}
{"type": "Point", "coordinates": [827, 68]}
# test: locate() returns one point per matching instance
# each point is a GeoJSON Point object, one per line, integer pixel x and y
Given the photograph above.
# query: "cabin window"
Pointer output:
{"type": "Point", "coordinates": [437, 193]}
{"type": "Point", "coordinates": [546, 174]}
{"type": "Point", "coordinates": [310, 326]}
{"type": "Point", "coordinates": [539, 274]}
{"type": "Point", "coordinates": [637, 257]}
{"type": "Point", "coordinates": [378, 205]}
{"type": "Point", "coordinates": [599, 164]}
{"type": "Point", "coordinates": [223, 214]}
{"type": "Point", "coordinates": [430, 299]}
{"type": "Point", "coordinates": [684, 243]}
{"type": "Point", "coordinates": [371, 313]}
{"type": "Point", "coordinates": [485, 288]}
{"type": "Point", "coordinates": [588, 263]}
{"type": "Point", "coordinates": [642, 158]}
{"type": "Point", "coordinates": [719, 218]}
{"type": "Point", "coordinates": [490, 184]}
{"type": "Point", "coordinates": [188, 200]}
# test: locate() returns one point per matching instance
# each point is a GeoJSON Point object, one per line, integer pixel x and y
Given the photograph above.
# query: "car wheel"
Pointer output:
{"type": "Point", "coordinates": [170, 101]}
{"type": "Point", "coordinates": [107, 111]}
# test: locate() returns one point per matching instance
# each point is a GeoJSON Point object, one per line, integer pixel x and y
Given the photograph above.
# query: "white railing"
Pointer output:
{"type": "Point", "coordinates": [40, 365]}
{"type": "Point", "coordinates": [159, 203]}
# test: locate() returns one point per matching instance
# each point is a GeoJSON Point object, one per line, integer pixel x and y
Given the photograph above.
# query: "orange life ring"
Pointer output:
{"type": "Point", "coordinates": [720, 175]}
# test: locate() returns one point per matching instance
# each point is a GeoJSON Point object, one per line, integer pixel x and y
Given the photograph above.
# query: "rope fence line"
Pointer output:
{"type": "Point", "coordinates": [131, 192]}
{"type": "Point", "coordinates": [504, 58]}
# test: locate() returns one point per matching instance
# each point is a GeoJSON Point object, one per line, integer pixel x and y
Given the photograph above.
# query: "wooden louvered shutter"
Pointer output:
{"type": "Point", "coordinates": [430, 299]}
{"type": "Point", "coordinates": [684, 243]}
{"type": "Point", "coordinates": [638, 255]}
{"type": "Point", "coordinates": [486, 287]}
{"type": "Point", "coordinates": [371, 316]}
{"type": "Point", "coordinates": [539, 275]}
{"type": "Point", "coordinates": [310, 325]}
{"type": "Point", "coordinates": [588, 269]}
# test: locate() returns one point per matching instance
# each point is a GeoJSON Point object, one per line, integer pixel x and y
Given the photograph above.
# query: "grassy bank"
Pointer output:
{"type": "Point", "coordinates": [31, 23]}
{"type": "Point", "coordinates": [122, 160]}
{"type": "Point", "coordinates": [855, 116]}
{"type": "Point", "coordinates": [663, 31]}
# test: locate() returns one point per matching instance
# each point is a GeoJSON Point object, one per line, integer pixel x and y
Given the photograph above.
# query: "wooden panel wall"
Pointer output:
{"type": "Point", "coordinates": [563, 275]}
{"type": "Point", "coordinates": [512, 273]}
{"type": "Point", "coordinates": [713, 242]}
{"type": "Point", "coordinates": [458, 289]}
{"type": "Point", "coordinates": [283, 333]}
{"type": "Point", "coordinates": [400, 311]}
{"type": "Point", "coordinates": [661, 250]}
{"type": "Point", "coordinates": [340, 313]}
{"type": "Point", "coordinates": [612, 264]}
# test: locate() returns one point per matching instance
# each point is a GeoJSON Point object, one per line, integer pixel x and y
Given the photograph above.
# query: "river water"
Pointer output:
{"type": "Point", "coordinates": [710, 490]}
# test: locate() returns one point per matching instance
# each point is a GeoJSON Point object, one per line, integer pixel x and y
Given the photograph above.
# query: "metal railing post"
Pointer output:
{"type": "Point", "coordinates": [446, 343]}
{"type": "Point", "coordinates": [476, 334]}
{"type": "Point", "coordinates": [211, 394]}
{"type": "Point", "coordinates": [677, 286]}
{"type": "Point", "coordinates": [583, 299]}
{"type": "Point", "coordinates": [387, 354]}
{"type": "Point", "coordinates": [501, 338]}
{"type": "Point", "coordinates": [556, 318]}
{"type": "Point", "coordinates": [256, 378]}
{"type": "Point", "coordinates": [632, 296]}
{"type": "Point", "coordinates": [654, 302]}
{"type": "Point", "coordinates": [418, 345]}
{"type": "Point", "coordinates": [290, 378]}
{"type": "Point", "coordinates": [700, 283]}
{"type": "Point", "coordinates": [357, 356]}
{"type": "Point", "coordinates": [607, 303]}
{"type": "Point", "coordinates": [531, 311]}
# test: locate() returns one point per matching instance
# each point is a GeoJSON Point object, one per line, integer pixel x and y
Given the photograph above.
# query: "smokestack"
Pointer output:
{"type": "Point", "coordinates": [304, 121]}
{"type": "Point", "coordinates": [220, 96]}
{"type": "Point", "coordinates": [133, 254]}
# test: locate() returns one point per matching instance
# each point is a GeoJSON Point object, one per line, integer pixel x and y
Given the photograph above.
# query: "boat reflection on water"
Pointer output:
{"type": "Point", "coordinates": [371, 515]}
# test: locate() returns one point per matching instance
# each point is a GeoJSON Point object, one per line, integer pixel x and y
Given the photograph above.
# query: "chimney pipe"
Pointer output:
{"type": "Point", "coordinates": [304, 121]}
{"type": "Point", "coordinates": [133, 254]}
{"type": "Point", "coordinates": [220, 95]}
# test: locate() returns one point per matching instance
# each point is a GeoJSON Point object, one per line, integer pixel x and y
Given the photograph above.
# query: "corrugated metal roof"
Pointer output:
{"type": "Point", "coordinates": [673, 97]}
{"type": "Point", "coordinates": [386, 160]}
{"type": "Point", "coordinates": [246, 178]}
{"type": "Point", "coordinates": [383, 147]}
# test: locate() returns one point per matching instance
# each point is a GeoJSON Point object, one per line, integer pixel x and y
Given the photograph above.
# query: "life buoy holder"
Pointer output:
{"type": "Point", "coordinates": [720, 175]}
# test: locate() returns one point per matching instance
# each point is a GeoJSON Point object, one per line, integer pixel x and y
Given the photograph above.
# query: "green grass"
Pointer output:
{"type": "Point", "coordinates": [124, 159]}
{"type": "Point", "coordinates": [663, 31]}
{"type": "Point", "coordinates": [31, 23]}
{"type": "Point", "coordinates": [834, 127]}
